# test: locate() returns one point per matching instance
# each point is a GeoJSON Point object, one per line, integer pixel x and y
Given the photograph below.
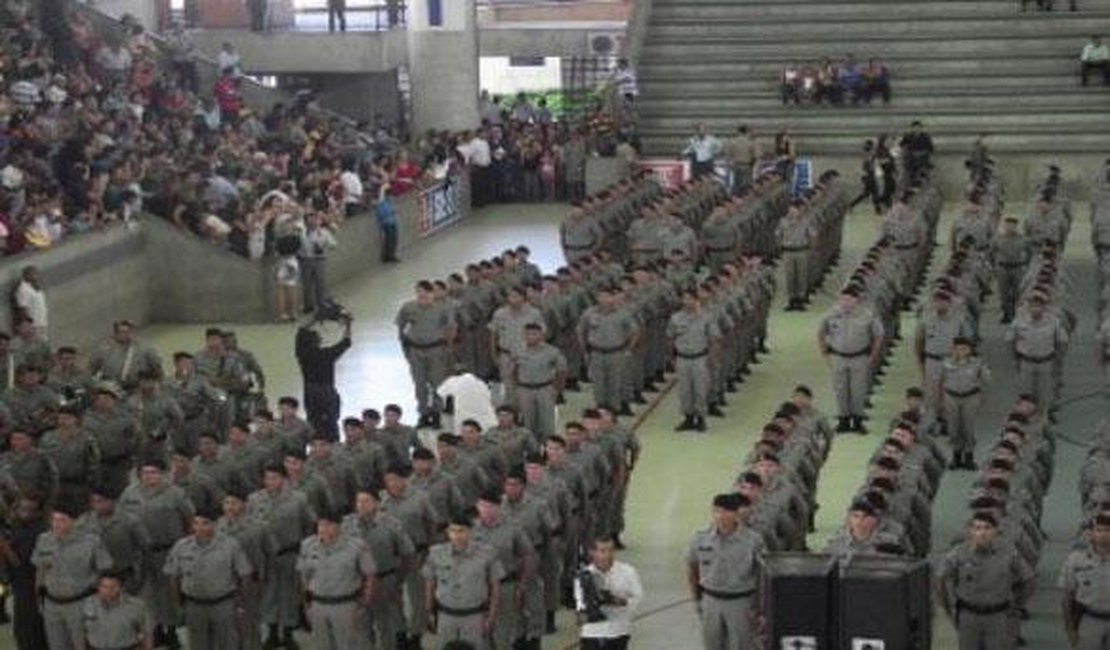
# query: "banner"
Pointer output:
{"type": "Point", "coordinates": [439, 207]}
{"type": "Point", "coordinates": [670, 173]}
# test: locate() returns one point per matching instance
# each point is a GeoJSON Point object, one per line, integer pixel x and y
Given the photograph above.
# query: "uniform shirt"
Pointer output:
{"type": "Point", "coordinates": [70, 566]}
{"type": "Point", "coordinates": [508, 325]}
{"type": "Point", "coordinates": [285, 516]}
{"type": "Point", "coordinates": [473, 400]}
{"type": "Point", "coordinates": [936, 332]}
{"type": "Point", "coordinates": [119, 624]}
{"type": "Point", "coordinates": [125, 537]}
{"type": "Point", "coordinates": [966, 376]}
{"type": "Point", "coordinates": [424, 324]}
{"type": "Point", "coordinates": [251, 537]}
{"type": "Point", "coordinates": [75, 455]}
{"type": "Point", "coordinates": [844, 546]}
{"type": "Point", "coordinates": [335, 570]}
{"type": "Point", "coordinates": [444, 495]}
{"type": "Point", "coordinates": [1085, 579]}
{"type": "Point", "coordinates": [795, 233]}
{"type": "Point", "coordinates": [123, 363]}
{"type": "Point", "coordinates": [398, 440]}
{"type": "Point", "coordinates": [726, 563]}
{"type": "Point", "coordinates": [604, 330]}
{"type": "Point", "coordinates": [157, 416]}
{"type": "Point", "coordinates": [163, 510]}
{"type": "Point", "coordinates": [850, 332]}
{"type": "Point", "coordinates": [1011, 250]}
{"type": "Point", "coordinates": [1037, 338]}
{"type": "Point", "coordinates": [538, 365]}
{"type": "Point", "coordinates": [984, 577]}
{"type": "Point", "coordinates": [508, 541]}
{"type": "Point", "coordinates": [417, 515]}
{"type": "Point", "coordinates": [622, 581]}
{"type": "Point", "coordinates": [692, 332]}
{"type": "Point", "coordinates": [385, 537]}
{"type": "Point", "coordinates": [31, 471]}
{"type": "Point", "coordinates": [581, 233]}
{"type": "Point", "coordinates": [463, 578]}
{"type": "Point", "coordinates": [205, 570]}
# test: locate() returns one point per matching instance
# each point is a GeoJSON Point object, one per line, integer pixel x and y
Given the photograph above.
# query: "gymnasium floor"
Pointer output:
{"type": "Point", "coordinates": [679, 473]}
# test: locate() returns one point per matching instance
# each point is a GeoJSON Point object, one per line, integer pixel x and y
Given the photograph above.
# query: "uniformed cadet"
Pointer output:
{"type": "Point", "coordinates": [75, 455]}
{"type": "Point", "coordinates": [208, 570]}
{"type": "Point", "coordinates": [861, 534]}
{"type": "Point", "coordinates": [1011, 252]}
{"type": "Point", "coordinates": [463, 581]}
{"type": "Point", "coordinates": [422, 524]}
{"type": "Point", "coordinates": [722, 570]}
{"type": "Point", "coordinates": [646, 237]}
{"type": "Point", "coordinates": [963, 378]}
{"type": "Point", "coordinates": [338, 576]}
{"type": "Point", "coordinates": [286, 518]}
{"type": "Point", "coordinates": [122, 358]}
{"type": "Point", "coordinates": [796, 235]}
{"type": "Point", "coordinates": [580, 234]}
{"type": "Point", "coordinates": [28, 347]}
{"type": "Point", "coordinates": [198, 400]}
{"type": "Point", "coordinates": [605, 333]}
{"type": "Point", "coordinates": [427, 331]}
{"type": "Point", "coordinates": [1038, 338]}
{"type": "Point", "coordinates": [69, 562]}
{"type": "Point", "coordinates": [224, 372]}
{"type": "Point", "coordinates": [30, 469]}
{"type": "Point", "coordinates": [394, 555]}
{"type": "Point", "coordinates": [398, 440]}
{"type": "Point", "coordinates": [1045, 224]}
{"type": "Point", "coordinates": [694, 335]}
{"type": "Point", "coordinates": [114, 428]}
{"type": "Point", "coordinates": [539, 371]}
{"type": "Point", "coordinates": [334, 470]}
{"type": "Point", "coordinates": [982, 584]}
{"type": "Point", "coordinates": [440, 487]}
{"type": "Point", "coordinates": [536, 517]}
{"type": "Point", "coordinates": [507, 334]}
{"type": "Point", "coordinates": [116, 619]}
{"type": "Point", "coordinates": [518, 558]}
{"type": "Point", "coordinates": [31, 404]}
{"type": "Point", "coordinates": [851, 338]}
{"type": "Point", "coordinates": [292, 431]}
{"type": "Point", "coordinates": [67, 378]}
{"type": "Point", "coordinates": [251, 537]}
{"type": "Point", "coordinates": [938, 326]}
{"type": "Point", "coordinates": [156, 416]}
{"type": "Point", "coordinates": [720, 237]}
{"type": "Point", "coordinates": [124, 536]}
{"type": "Point", "coordinates": [166, 513]}
{"type": "Point", "coordinates": [1084, 579]}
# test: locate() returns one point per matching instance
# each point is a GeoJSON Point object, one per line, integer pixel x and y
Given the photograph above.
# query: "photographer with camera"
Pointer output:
{"type": "Point", "coordinates": [606, 593]}
{"type": "Point", "coordinates": [321, 399]}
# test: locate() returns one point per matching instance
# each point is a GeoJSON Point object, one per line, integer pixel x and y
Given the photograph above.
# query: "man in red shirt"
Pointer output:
{"type": "Point", "coordinates": [228, 98]}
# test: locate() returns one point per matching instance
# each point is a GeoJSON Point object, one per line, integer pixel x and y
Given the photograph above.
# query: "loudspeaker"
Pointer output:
{"type": "Point", "coordinates": [884, 603]}
{"type": "Point", "coordinates": [799, 600]}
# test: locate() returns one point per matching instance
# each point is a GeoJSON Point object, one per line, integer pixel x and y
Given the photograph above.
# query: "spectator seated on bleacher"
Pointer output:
{"type": "Point", "coordinates": [1095, 56]}
{"type": "Point", "coordinates": [835, 83]}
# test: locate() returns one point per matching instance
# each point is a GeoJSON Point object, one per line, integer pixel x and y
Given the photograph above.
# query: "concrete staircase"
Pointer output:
{"type": "Point", "coordinates": [962, 67]}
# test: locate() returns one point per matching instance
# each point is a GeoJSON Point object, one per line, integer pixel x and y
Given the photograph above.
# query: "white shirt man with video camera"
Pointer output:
{"type": "Point", "coordinates": [606, 593]}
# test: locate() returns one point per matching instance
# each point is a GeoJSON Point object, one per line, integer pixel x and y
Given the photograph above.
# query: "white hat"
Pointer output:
{"type": "Point", "coordinates": [11, 177]}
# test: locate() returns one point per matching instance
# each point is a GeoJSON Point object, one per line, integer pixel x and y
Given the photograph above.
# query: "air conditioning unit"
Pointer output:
{"type": "Point", "coordinates": [607, 44]}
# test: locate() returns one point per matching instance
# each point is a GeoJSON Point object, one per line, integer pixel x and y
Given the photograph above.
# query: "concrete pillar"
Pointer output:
{"type": "Point", "coordinates": [443, 64]}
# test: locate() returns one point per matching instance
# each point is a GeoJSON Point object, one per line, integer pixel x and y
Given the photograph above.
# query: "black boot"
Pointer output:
{"type": "Point", "coordinates": [573, 386]}
{"type": "Point", "coordinates": [687, 424]}
{"type": "Point", "coordinates": [843, 425]}
{"type": "Point", "coordinates": [969, 462]}
{"type": "Point", "coordinates": [172, 642]}
{"type": "Point", "coordinates": [730, 386]}
{"type": "Point", "coordinates": [625, 409]}
{"type": "Point", "coordinates": [957, 461]}
{"type": "Point", "coordinates": [287, 640]}
{"type": "Point", "coordinates": [560, 399]}
{"type": "Point", "coordinates": [617, 543]}
{"type": "Point", "coordinates": [857, 425]}
{"type": "Point", "coordinates": [550, 628]}
{"type": "Point", "coordinates": [272, 642]}
{"type": "Point", "coordinates": [699, 424]}
{"type": "Point", "coordinates": [715, 410]}
{"type": "Point", "coordinates": [638, 398]}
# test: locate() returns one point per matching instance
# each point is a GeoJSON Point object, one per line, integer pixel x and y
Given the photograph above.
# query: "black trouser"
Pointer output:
{"type": "Point", "coordinates": [699, 169]}
{"type": "Point", "coordinates": [321, 405]}
{"type": "Point", "coordinates": [187, 75]}
{"type": "Point", "coordinates": [1101, 66]}
{"type": "Point", "coordinates": [337, 10]}
{"type": "Point", "coordinates": [616, 643]}
{"type": "Point", "coordinates": [389, 242]}
{"type": "Point", "coordinates": [870, 189]}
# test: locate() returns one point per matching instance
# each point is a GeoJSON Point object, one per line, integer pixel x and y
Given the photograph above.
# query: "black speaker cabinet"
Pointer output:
{"type": "Point", "coordinates": [884, 603]}
{"type": "Point", "coordinates": [799, 600]}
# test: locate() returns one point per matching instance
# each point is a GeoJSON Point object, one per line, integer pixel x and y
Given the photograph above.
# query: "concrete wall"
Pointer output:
{"type": "Point", "coordinates": [360, 97]}
{"type": "Point", "coordinates": [302, 52]}
{"type": "Point", "coordinates": [145, 11]}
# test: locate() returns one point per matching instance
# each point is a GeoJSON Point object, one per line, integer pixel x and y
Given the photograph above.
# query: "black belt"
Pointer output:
{"type": "Point", "coordinates": [111, 460]}
{"type": "Point", "coordinates": [158, 548]}
{"type": "Point", "coordinates": [983, 610]}
{"type": "Point", "coordinates": [334, 600]}
{"type": "Point", "coordinates": [208, 602]}
{"type": "Point", "coordinates": [424, 346]}
{"type": "Point", "coordinates": [511, 577]}
{"type": "Point", "coordinates": [535, 386]}
{"type": "Point", "coordinates": [385, 574]}
{"type": "Point", "coordinates": [1012, 265]}
{"type": "Point", "coordinates": [1045, 359]}
{"type": "Point", "coordinates": [728, 249]}
{"type": "Point", "coordinates": [905, 247]}
{"type": "Point", "coordinates": [504, 351]}
{"type": "Point", "coordinates": [725, 595]}
{"type": "Point", "coordinates": [699, 355]}
{"type": "Point", "coordinates": [851, 355]}
{"type": "Point", "coordinates": [645, 250]}
{"type": "Point", "coordinates": [296, 548]}
{"type": "Point", "coordinates": [466, 611]}
{"type": "Point", "coordinates": [122, 647]}
{"type": "Point", "coordinates": [966, 393]}
{"type": "Point", "coordinates": [934, 357]}
{"type": "Point", "coordinates": [73, 480]}
{"type": "Point", "coordinates": [1093, 613]}
{"type": "Point", "coordinates": [794, 249]}
{"type": "Point", "coordinates": [601, 350]}
{"type": "Point", "coordinates": [66, 600]}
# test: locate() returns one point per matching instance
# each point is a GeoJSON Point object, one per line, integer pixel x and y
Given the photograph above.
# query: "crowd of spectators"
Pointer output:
{"type": "Point", "coordinates": [837, 83]}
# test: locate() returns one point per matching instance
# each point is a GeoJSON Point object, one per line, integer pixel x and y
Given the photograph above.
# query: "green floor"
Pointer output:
{"type": "Point", "coordinates": [679, 473]}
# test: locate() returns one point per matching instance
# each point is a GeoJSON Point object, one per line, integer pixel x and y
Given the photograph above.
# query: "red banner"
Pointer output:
{"type": "Point", "coordinates": [669, 172]}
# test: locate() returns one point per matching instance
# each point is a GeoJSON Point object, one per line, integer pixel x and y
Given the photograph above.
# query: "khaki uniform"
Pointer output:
{"type": "Point", "coordinates": [727, 569]}
{"type": "Point", "coordinates": [515, 553]}
{"type": "Point", "coordinates": [464, 583]}
{"type": "Point", "coordinates": [208, 575]}
{"type": "Point", "coordinates": [421, 523]}
{"type": "Point", "coordinates": [425, 331]}
{"type": "Point", "coordinates": [286, 519]}
{"type": "Point", "coordinates": [1085, 580]}
{"type": "Point", "coordinates": [535, 371]}
{"type": "Point", "coordinates": [692, 335]}
{"type": "Point", "coordinates": [124, 364]}
{"type": "Point", "coordinates": [121, 624]}
{"type": "Point", "coordinates": [963, 381]}
{"type": "Point", "coordinates": [393, 553]}
{"type": "Point", "coordinates": [605, 336]}
{"type": "Point", "coordinates": [507, 328]}
{"type": "Point", "coordinates": [981, 590]}
{"type": "Point", "coordinates": [68, 569]}
{"type": "Point", "coordinates": [334, 576]}
{"type": "Point", "coordinates": [1038, 343]}
{"type": "Point", "coordinates": [849, 336]}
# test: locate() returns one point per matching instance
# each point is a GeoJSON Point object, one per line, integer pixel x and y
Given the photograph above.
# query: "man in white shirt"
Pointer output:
{"type": "Point", "coordinates": [229, 58]}
{"type": "Point", "coordinates": [1095, 56]}
{"type": "Point", "coordinates": [31, 300]}
{"type": "Point", "coordinates": [352, 190]}
{"type": "Point", "coordinates": [618, 593]}
{"type": "Point", "coordinates": [702, 149]}
{"type": "Point", "coordinates": [472, 400]}
{"type": "Point", "coordinates": [476, 152]}
{"type": "Point", "coordinates": [316, 243]}
{"type": "Point", "coordinates": [624, 78]}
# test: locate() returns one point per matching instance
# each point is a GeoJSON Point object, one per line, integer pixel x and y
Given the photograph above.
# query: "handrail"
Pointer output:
{"type": "Point", "coordinates": [636, 32]}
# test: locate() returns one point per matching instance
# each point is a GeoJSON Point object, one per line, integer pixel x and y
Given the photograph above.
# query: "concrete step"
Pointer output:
{"type": "Point", "coordinates": [666, 145]}
{"type": "Point", "coordinates": [712, 104]}
{"type": "Point", "coordinates": [917, 67]}
{"type": "Point", "coordinates": [705, 30]}
{"type": "Point", "coordinates": [938, 46]}
{"type": "Point", "coordinates": [761, 11]}
{"type": "Point", "coordinates": [904, 87]}
{"type": "Point", "coordinates": [879, 120]}
{"type": "Point", "coordinates": [1000, 5]}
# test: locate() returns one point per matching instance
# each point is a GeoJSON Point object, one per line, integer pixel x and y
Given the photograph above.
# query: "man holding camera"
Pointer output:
{"type": "Point", "coordinates": [606, 593]}
{"type": "Point", "coordinates": [321, 399]}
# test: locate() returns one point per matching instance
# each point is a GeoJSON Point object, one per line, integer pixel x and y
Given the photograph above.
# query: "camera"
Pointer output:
{"type": "Point", "coordinates": [331, 310]}
{"type": "Point", "coordinates": [593, 597]}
